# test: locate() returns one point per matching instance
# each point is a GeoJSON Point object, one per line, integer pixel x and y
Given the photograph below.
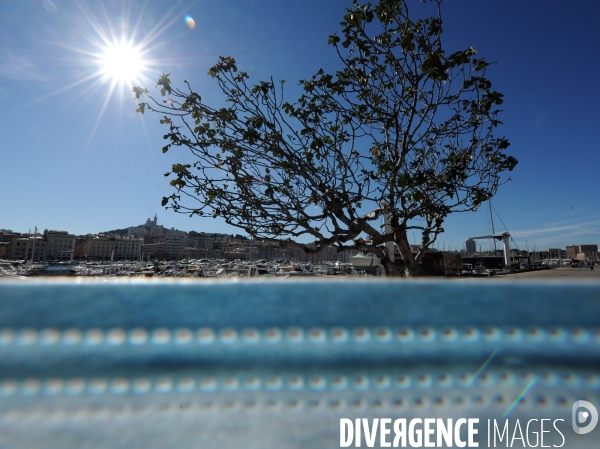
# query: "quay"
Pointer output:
{"type": "Point", "coordinates": [566, 274]}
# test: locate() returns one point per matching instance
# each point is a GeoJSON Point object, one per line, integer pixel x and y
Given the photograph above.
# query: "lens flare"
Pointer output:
{"type": "Point", "coordinates": [519, 398]}
{"type": "Point", "coordinates": [190, 22]}
{"type": "Point", "coordinates": [483, 366]}
{"type": "Point", "coordinates": [121, 21]}
{"type": "Point", "coordinates": [49, 6]}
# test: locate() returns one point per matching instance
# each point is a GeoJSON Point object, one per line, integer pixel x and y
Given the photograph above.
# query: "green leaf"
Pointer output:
{"type": "Point", "coordinates": [333, 39]}
{"type": "Point", "coordinates": [139, 91]}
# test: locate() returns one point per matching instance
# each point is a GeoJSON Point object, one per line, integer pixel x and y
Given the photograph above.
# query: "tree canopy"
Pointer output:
{"type": "Point", "coordinates": [403, 129]}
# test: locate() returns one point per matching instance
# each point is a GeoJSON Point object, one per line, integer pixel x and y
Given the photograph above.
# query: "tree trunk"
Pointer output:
{"type": "Point", "coordinates": [413, 269]}
{"type": "Point", "coordinates": [391, 269]}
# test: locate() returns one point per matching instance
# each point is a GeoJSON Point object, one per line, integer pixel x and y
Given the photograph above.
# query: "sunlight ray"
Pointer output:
{"type": "Point", "coordinates": [85, 95]}
{"type": "Point", "coordinates": [99, 31]}
{"type": "Point", "coordinates": [158, 29]}
{"type": "Point", "coordinates": [82, 50]}
{"type": "Point", "coordinates": [162, 43]}
{"type": "Point", "coordinates": [138, 22]}
{"type": "Point", "coordinates": [102, 110]}
{"type": "Point", "coordinates": [112, 35]}
{"type": "Point", "coordinates": [67, 87]}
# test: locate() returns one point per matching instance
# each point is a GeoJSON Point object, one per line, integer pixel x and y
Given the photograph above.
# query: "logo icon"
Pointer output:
{"type": "Point", "coordinates": [581, 416]}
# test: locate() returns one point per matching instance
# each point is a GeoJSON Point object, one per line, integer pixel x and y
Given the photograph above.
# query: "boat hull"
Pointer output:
{"type": "Point", "coordinates": [365, 261]}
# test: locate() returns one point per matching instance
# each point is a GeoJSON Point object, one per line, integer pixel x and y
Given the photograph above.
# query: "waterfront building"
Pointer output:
{"type": "Point", "coordinates": [251, 253]}
{"type": "Point", "coordinates": [583, 252]}
{"type": "Point", "coordinates": [102, 247]}
{"type": "Point", "coordinates": [99, 247]}
{"type": "Point", "coordinates": [4, 250]}
{"type": "Point", "coordinates": [28, 247]}
{"type": "Point", "coordinates": [128, 248]}
{"type": "Point", "coordinates": [198, 247]}
{"type": "Point", "coordinates": [200, 242]}
{"type": "Point", "coordinates": [551, 253]}
{"type": "Point", "coordinates": [198, 253]}
{"type": "Point", "coordinates": [169, 244]}
{"type": "Point", "coordinates": [175, 243]}
{"type": "Point", "coordinates": [80, 246]}
{"type": "Point", "coordinates": [6, 236]}
{"type": "Point", "coordinates": [517, 253]}
{"type": "Point", "coordinates": [153, 250]}
{"type": "Point", "coordinates": [61, 244]}
{"type": "Point", "coordinates": [571, 251]}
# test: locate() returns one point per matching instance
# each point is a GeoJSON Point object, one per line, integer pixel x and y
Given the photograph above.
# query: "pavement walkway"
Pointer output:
{"type": "Point", "coordinates": [558, 274]}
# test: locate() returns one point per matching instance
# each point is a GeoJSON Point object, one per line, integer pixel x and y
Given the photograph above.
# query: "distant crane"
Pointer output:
{"type": "Point", "coordinates": [505, 236]}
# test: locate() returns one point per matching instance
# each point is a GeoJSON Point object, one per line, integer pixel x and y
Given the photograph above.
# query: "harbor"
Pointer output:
{"type": "Point", "coordinates": [238, 269]}
{"type": "Point", "coordinates": [153, 250]}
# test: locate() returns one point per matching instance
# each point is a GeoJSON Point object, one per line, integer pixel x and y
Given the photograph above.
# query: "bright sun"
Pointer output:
{"type": "Point", "coordinates": [122, 62]}
{"type": "Point", "coordinates": [117, 52]}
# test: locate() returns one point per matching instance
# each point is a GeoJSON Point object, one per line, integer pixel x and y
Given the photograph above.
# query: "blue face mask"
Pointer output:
{"type": "Point", "coordinates": [295, 364]}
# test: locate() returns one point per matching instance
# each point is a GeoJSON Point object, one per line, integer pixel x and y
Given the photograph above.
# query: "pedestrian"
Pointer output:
{"type": "Point", "coordinates": [592, 266]}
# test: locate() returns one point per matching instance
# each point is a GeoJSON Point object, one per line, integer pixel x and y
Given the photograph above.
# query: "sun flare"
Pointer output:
{"type": "Point", "coordinates": [115, 49]}
{"type": "Point", "coordinates": [122, 62]}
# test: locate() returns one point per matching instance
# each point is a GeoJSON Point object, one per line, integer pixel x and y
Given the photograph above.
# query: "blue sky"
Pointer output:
{"type": "Point", "coordinates": [76, 158]}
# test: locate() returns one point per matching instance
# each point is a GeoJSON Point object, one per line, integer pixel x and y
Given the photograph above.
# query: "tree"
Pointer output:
{"type": "Point", "coordinates": [403, 129]}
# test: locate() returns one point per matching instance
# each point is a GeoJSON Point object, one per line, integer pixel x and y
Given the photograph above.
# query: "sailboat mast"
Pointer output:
{"type": "Point", "coordinates": [27, 248]}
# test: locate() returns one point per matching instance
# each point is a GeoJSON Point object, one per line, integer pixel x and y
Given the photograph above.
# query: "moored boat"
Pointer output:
{"type": "Point", "coordinates": [362, 261]}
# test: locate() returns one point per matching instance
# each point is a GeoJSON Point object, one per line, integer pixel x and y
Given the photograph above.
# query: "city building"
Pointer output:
{"type": "Point", "coordinates": [61, 245]}
{"type": "Point", "coordinates": [571, 251]}
{"type": "Point", "coordinates": [127, 248]}
{"type": "Point", "coordinates": [199, 247]}
{"type": "Point", "coordinates": [583, 252]}
{"type": "Point", "coordinates": [136, 231]}
{"type": "Point", "coordinates": [28, 247]}
{"type": "Point", "coordinates": [4, 250]}
{"type": "Point", "coordinates": [153, 250]}
{"type": "Point", "coordinates": [175, 243]}
{"type": "Point", "coordinates": [470, 246]}
{"type": "Point", "coordinates": [551, 253]}
{"type": "Point", "coordinates": [169, 244]}
{"type": "Point", "coordinates": [103, 247]}
{"type": "Point", "coordinates": [7, 236]}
